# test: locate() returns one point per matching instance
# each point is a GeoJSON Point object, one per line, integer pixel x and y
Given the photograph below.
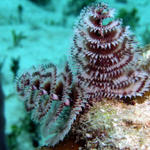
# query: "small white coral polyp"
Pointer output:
{"type": "Point", "coordinates": [53, 100]}
{"type": "Point", "coordinates": [107, 55]}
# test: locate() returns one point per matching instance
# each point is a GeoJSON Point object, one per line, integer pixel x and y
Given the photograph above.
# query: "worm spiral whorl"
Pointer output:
{"type": "Point", "coordinates": [107, 55]}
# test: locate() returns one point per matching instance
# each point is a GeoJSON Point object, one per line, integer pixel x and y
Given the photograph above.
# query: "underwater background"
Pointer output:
{"type": "Point", "coordinates": [37, 32]}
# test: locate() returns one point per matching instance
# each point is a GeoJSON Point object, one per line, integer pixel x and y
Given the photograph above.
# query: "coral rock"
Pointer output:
{"type": "Point", "coordinates": [113, 125]}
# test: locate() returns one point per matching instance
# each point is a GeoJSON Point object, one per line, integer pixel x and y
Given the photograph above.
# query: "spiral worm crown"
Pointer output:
{"type": "Point", "coordinates": [107, 55]}
{"type": "Point", "coordinates": [53, 100]}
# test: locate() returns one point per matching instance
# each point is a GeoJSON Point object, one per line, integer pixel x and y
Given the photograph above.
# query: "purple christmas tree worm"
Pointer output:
{"type": "Point", "coordinates": [53, 99]}
{"type": "Point", "coordinates": [107, 56]}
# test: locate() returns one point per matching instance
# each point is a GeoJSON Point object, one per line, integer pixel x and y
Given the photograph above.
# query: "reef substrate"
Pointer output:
{"type": "Point", "coordinates": [115, 125]}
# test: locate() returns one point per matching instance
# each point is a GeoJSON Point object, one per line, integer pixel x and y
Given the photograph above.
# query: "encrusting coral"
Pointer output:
{"type": "Point", "coordinates": [109, 66]}
{"type": "Point", "coordinates": [107, 55]}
